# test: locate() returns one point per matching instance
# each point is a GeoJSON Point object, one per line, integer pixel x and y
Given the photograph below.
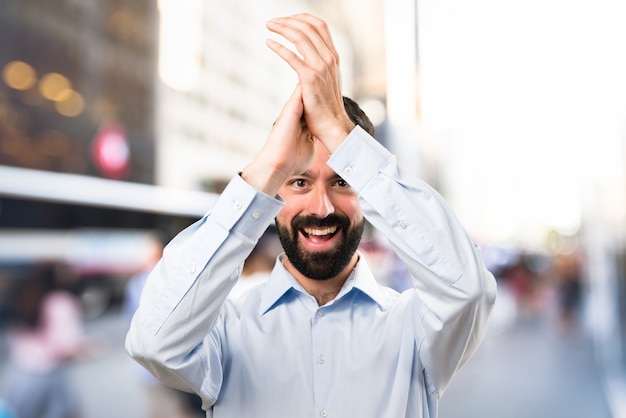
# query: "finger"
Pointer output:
{"type": "Point", "coordinates": [291, 117]}
{"type": "Point", "coordinates": [293, 106]}
{"type": "Point", "coordinates": [309, 77]}
{"type": "Point", "coordinates": [310, 68]}
{"type": "Point", "coordinates": [287, 55]}
{"type": "Point", "coordinates": [321, 28]}
{"type": "Point", "coordinates": [317, 32]}
{"type": "Point", "coordinates": [309, 35]}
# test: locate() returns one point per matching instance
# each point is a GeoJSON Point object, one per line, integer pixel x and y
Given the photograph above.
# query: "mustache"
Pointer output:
{"type": "Point", "coordinates": [311, 221]}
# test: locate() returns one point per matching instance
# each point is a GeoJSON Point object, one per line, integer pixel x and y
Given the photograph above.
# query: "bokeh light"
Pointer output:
{"type": "Point", "coordinates": [70, 103]}
{"type": "Point", "coordinates": [19, 75]}
{"type": "Point", "coordinates": [54, 86]}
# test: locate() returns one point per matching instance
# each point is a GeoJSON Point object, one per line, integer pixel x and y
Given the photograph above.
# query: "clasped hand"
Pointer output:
{"type": "Point", "coordinates": [313, 112]}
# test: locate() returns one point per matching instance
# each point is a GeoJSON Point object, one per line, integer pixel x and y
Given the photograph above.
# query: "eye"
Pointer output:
{"type": "Point", "coordinates": [299, 183]}
{"type": "Point", "coordinates": [341, 183]}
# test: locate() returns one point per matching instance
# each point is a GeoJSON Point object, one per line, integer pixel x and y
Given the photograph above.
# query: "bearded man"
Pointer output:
{"type": "Point", "coordinates": [321, 338]}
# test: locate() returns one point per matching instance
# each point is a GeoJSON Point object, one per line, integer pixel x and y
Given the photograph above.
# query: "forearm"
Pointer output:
{"type": "Point", "coordinates": [183, 296]}
{"type": "Point", "coordinates": [412, 215]}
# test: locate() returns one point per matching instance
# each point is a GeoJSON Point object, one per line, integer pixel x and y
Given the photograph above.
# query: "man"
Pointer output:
{"type": "Point", "coordinates": [321, 337]}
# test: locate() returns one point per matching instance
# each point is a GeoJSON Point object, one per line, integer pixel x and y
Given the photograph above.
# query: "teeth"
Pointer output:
{"type": "Point", "coordinates": [320, 232]}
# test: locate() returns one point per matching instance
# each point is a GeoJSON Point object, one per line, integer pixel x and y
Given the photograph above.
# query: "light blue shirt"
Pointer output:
{"type": "Point", "coordinates": [371, 352]}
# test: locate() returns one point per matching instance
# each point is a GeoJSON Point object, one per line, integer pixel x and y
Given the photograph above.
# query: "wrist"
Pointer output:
{"type": "Point", "coordinates": [337, 135]}
{"type": "Point", "coordinates": [266, 179]}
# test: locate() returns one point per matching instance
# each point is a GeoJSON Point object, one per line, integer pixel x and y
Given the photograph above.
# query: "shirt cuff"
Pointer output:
{"type": "Point", "coordinates": [359, 158]}
{"type": "Point", "coordinates": [244, 209]}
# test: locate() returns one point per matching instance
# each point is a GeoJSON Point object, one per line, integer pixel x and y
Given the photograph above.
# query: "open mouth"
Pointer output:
{"type": "Point", "coordinates": [319, 234]}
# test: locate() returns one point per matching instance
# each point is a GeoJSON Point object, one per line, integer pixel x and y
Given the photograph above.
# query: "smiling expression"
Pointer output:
{"type": "Point", "coordinates": [321, 224]}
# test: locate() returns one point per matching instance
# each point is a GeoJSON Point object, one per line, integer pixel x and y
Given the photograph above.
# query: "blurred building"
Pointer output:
{"type": "Point", "coordinates": [77, 95]}
{"type": "Point", "coordinates": [77, 92]}
{"type": "Point", "coordinates": [220, 88]}
{"type": "Point", "coordinates": [77, 100]}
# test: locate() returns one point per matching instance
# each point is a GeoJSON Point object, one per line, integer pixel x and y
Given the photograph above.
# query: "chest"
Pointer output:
{"type": "Point", "coordinates": [338, 345]}
{"type": "Point", "coordinates": [346, 359]}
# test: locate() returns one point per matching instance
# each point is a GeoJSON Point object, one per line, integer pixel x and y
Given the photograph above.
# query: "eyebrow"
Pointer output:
{"type": "Point", "coordinates": [306, 173]}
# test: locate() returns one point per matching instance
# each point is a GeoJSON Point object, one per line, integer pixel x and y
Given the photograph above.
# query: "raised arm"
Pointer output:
{"type": "Point", "coordinates": [454, 292]}
{"type": "Point", "coordinates": [184, 294]}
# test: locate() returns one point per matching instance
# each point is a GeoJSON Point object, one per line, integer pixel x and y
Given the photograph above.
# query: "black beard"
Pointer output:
{"type": "Point", "coordinates": [320, 265]}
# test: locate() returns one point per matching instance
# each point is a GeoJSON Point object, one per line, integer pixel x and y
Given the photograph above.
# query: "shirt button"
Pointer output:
{"type": "Point", "coordinates": [402, 225]}
{"type": "Point", "coordinates": [347, 170]}
{"type": "Point", "coordinates": [324, 413]}
{"type": "Point", "coordinates": [321, 360]}
{"type": "Point", "coordinates": [191, 269]}
{"type": "Point", "coordinates": [238, 205]}
{"type": "Point", "coordinates": [256, 214]}
{"type": "Point", "coordinates": [321, 313]}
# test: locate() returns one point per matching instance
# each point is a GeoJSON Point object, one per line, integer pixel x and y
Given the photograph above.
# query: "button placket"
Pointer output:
{"type": "Point", "coordinates": [322, 374]}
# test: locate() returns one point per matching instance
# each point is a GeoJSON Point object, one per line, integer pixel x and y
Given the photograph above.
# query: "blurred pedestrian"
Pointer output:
{"type": "Point", "coordinates": [46, 334]}
{"type": "Point", "coordinates": [522, 283]}
{"type": "Point", "coordinates": [569, 290]}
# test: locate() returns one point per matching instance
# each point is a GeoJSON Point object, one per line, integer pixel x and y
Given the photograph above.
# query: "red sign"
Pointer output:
{"type": "Point", "coordinates": [110, 151]}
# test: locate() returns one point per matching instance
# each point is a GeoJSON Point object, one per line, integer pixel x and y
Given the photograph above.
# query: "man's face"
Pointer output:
{"type": "Point", "coordinates": [321, 224]}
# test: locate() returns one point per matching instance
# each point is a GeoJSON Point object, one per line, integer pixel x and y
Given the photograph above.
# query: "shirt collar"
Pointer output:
{"type": "Point", "coordinates": [365, 281]}
{"type": "Point", "coordinates": [281, 282]}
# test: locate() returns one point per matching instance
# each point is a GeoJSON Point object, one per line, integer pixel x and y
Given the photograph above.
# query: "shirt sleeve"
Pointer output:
{"type": "Point", "coordinates": [454, 292]}
{"type": "Point", "coordinates": [182, 297]}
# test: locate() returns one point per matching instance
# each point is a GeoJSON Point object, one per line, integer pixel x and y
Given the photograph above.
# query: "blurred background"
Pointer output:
{"type": "Point", "coordinates": [122, 120]}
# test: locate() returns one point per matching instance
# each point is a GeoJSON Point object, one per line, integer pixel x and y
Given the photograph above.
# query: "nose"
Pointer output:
{"type": "Point", "coordinates": [319, 203]}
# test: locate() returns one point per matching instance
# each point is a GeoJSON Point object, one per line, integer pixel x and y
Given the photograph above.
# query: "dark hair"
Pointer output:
{"type": "Point", "coordinates": [357, 115]}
